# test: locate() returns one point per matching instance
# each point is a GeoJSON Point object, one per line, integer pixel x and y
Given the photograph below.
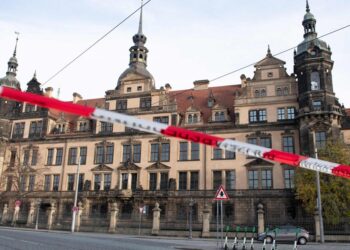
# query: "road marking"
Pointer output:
{"type": "Point", "coordinates": [31, 242]}
{"type": "Point", "coordinates": [7, 238]}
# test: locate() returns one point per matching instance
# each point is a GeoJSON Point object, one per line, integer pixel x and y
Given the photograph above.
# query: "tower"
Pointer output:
{"type": "Point", "coordinates": [319, 109]}
{"type": "Point", "coordinates": [136, 78]}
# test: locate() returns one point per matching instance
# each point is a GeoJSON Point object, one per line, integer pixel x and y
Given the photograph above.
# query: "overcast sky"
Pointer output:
{"type": "Point", "coordinates": [188, 40]}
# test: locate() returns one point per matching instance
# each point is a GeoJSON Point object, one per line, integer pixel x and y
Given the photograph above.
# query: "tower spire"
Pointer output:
{"type": "Point", "coordinates": [268, 51]}
{"type": "Point", "coordinates": [140, 22]}
{"type": "Point", "coordinates": [15, 51]}
{"type": "Point", "coordinates": [307, 6]}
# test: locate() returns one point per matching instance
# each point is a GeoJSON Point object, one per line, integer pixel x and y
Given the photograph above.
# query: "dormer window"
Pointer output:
{"type": "Point", "coordinates": [285, 91]}
{"type": "Point", "coordinates": [260, 92]}
{"type": "Point", "coordinates": [61, 128]}
{"type": "Point", "coordinates": [29, 108]}
{"type": "Point", "coordinates": [83, 126]}
{"type": "Point", "coordinates": [192, 118]}
{"type": "Point", "coordinates": [219, 116]}
{"type": "Point", "coordinates": [122, 104]}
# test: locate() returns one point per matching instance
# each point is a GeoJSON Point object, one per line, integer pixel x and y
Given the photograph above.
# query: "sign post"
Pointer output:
{"type": "Point", "coordinates": [141, 209]}
{"type": "Point", "coordinates": [220, 195]}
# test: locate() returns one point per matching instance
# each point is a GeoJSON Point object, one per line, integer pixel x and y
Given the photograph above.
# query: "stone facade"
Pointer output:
{"type": "Point", "coordinates": [122, 169]}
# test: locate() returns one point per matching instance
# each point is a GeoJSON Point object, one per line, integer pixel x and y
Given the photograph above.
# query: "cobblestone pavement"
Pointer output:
{"type": "Point", "coordinates": [42, 240]}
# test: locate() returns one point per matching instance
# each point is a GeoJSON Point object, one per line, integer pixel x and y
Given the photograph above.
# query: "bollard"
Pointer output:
{"type": "Point", "coordinates": [243, 244]}
{"type": "Point", "coordinates": [295, 245]}
{"type": "Point", "coordinates": [264, 245]}
{"type": "Point", "coordinates": [234, 245]}
{"type": "Point", "coordinates": [273, 247]}
{"type": "Point", "coordinates": [225, 243]}
{"type": "Point", "coordinates": [252, 244]}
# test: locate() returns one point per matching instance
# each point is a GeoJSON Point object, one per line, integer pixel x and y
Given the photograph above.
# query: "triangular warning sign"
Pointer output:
{"type": "Point", "coordinates": [221, 194]}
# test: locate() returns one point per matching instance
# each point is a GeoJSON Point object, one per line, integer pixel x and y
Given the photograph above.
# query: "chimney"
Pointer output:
{"type": "Point", "coordinates": [201, 84]}
{"type": "Point", "coordinates": [76, 97]}
{"type": "Point", "coordinates": [167, 87]}
{"type": "Point", "coordinates": [49, 92]}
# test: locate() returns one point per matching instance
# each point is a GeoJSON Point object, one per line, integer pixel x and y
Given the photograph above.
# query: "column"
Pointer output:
{"type": "Point", "coordinates": [30, 218]}
{"type": "Point", "coordinates": [206, 221]}
{"type": "Point", "coordinates": [156, 219]}
{"type": "Point", "coordinates": [4, 214]}
{"type": "Point", "coordinates": [114, 217]}
{"type": "Point", "coordinates": [52, 213]}
{"type": "Point", "coordinates": [261, 221]}
{"type": "Point", "coordinates": [78, 216]}
{"type": "Point", "coordinates": [317, 226]}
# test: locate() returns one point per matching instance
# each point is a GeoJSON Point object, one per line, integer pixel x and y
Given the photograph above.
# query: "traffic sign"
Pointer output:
{"type": "Point", "coordinates": [221, 194]}
{"type": "Point", "coordinates": [18, 203]}
{"type": "Point", "coordinates": [75, 209]}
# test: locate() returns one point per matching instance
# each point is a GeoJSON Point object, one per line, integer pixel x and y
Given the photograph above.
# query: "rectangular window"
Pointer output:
{"type": "Point", "coordinates": [266, 179]}
{"type": "Point", "coordinates": [137, 152]}
{"type": "Point", "coordinates": [81, 182]}
{"type": "Point", "coordinates": [174, 119]}
{"type": "Point", "coordinates": [106, 127]}
{"type": "Point", "coordinates": [183, 151]}
{"type": "Point", "coordinates": [99, 159]}
{"type": "Point", "coordinates": [31, 185]}
{"type": "Point", "coordinates": [182, 180]}
{"type": "Point", "coordinates": [126, 153]}
{"type": "Point", "coordinates": [47, 183]}
{"type": "Point", "coordinates": [165, 155]}
{"type": "Point", "coordinates": [122, 104]}
{"type": "Point", "coordinates": [317, 105]}
{"type": "Point", "coordinates": [253, 179]}
{"type": "Point", "coordinates": [72, 156]}
{"type": "Point", "coordinates": [109, 154]}
{"type": "Point", "coordinates": [262, 115]}
{"type": "Point", "coordinates": [26, 157]}
{"type": "Point", "coordinates": [83, 155]}
{"type": "Point", "coordinates": [23, 183]}
{"type": "Point", "coordinates": [252, 141]}
{"type": "Point", "coordinates": [265, 142]}
{"type": "Point", "coordinates": [289, 178]}
{"type": "Point", "coordinates": [288, 144]}
{"type": "Point", "coordinates": [56, 182]}
{"type": "Point", "coordinates": [13, 158]}
{"type": "Point", "coordinates": [125, 180]}
{"type": "Point", "coordinates": [59, 154]}
{"type": "Point", "coordinates": [281, 114]}
{"type": "Point", "coordinates": [230, 155]}
{"type": "Point", "coordinates": [290, 113]}
{"type": "Point", "coordinates": [155, 152]}
{"type": "Point", "coordinates": [34, 157]}
{"type": "Point", "coordinates": [320, 139]}
{"type": "Point", "coordinates": [145, 102]}
{"type": "Point", "coordinates": [164, 177]}
{"type": "Point", "coordinates": [49, 156]}
{"type": "Point", "coordinates": [133, 181]}
{"type": "Point", "coordinates": [97, 182]}
{"type": "Point", "coordinates": [217, 153]}
{"type": "Point", "coordinates": [18, 130]}
{"type": "Point", "coordinates": [35, 129]}
{"type": "Point", "coordinates": [161, 119]}
{"type": "Point", "coordinates": [194, 151]}
{"type": "Point", "coordinates": [230, 179]}
{"type": "Point", "coordinates": [194, 181]}
{"type": "Point", "coordinates": [152, 181]}
{"type": "Point", "coordinates": [107, 182]}
{"type": "Point", "coordinates": [253, 116]}
{"type": "Point", "coordinates": [29, 108]}
{"type": "Point", "coordinates": [217, 179]}
{"type": "Point", "coordinates": [70, 182]}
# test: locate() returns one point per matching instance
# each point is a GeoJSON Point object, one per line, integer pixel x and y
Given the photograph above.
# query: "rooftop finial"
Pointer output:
{"type": "Point", "coordinates": [268, 50]}
{"type": "Point", "coordinates": [15, 51]}
{"type": "Point", "coordinates": [34, 76]}
{"type": "Point", "coordinates": [140, 22]}
{"type": "Point", "coordinates": [307, 6]}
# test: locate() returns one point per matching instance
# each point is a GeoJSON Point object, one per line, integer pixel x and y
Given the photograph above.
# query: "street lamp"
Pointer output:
{"type": "Point", "coordinates": [191, 204]}
{"type": "Point", "coordinates": [37, 214]}
{"type": "Point", "coordinates": [319, 200]}
{"type": "Point", "coordinates": [75, 210]}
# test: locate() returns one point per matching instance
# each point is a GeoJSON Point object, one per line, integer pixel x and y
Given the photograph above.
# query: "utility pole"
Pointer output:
{"type": "Point", "coordinates": [75, 210]}
{"type": "Point", "coordinates": [319, 200]}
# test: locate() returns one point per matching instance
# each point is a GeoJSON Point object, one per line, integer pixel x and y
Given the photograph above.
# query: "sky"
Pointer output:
{"type": "Point", "coordinates": [188, 40]}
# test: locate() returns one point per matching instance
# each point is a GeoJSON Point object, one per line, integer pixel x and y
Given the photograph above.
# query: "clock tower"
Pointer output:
{"type": "Point", "coordinates": [319, 110]}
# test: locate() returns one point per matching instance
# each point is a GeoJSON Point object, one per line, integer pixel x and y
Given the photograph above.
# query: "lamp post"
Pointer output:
{"type": "Point", "coordinates": [190, 226]}
{"type": "Point", "coordinates": [319, 201]}
{"type": "Point", "coordinates": [75, 196]}
{"type": "Point", "coordinates": [37, 214]}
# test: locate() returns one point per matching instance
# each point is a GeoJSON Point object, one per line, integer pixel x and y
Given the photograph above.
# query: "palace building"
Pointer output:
{"type": "Point", "coordinates": [122, 169]}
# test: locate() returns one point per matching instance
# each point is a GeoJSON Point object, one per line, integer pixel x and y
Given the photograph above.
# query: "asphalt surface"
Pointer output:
{"type": "Point", "coordinates": [41, 240]}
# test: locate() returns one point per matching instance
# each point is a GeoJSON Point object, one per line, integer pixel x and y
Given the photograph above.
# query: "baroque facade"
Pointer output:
{"type": "Point", "coordinates": [122, 169]}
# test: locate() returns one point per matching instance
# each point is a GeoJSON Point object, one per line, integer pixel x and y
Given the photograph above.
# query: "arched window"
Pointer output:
{"type": "Point", "coordinates": [286, 91]}
{"type": "Point", "coordinates": [222, 116]}
{"type": "Point", "coordinates": [81, 128]}
{"type": "Point", "coordinates": [217, 116]}
{"type": "Point", "coordinates": [315, 80]}
{"type": "Point", "coordinates": [263, 92]}
{"type": "Point", "coordinates": [257, 93]}
{"type": "Point", "coordinates": [190, 118]}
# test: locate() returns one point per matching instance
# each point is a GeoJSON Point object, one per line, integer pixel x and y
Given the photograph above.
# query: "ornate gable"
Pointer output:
{"type": "Point", "coordinates": [157, 166]}
{"type": "Point", "coordinates": [258, 163]}
{"type": "Point", "coordinates": [102, 168]}
{"type": "Point", "coordinates": [128, 166]}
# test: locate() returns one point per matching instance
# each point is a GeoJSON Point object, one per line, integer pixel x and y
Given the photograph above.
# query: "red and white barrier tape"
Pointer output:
{"type": "Point", "coordinates": [194, 136]}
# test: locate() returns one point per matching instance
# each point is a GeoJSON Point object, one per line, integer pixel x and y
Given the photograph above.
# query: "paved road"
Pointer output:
{"type": "Point", "coordinates": [41, 240]}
